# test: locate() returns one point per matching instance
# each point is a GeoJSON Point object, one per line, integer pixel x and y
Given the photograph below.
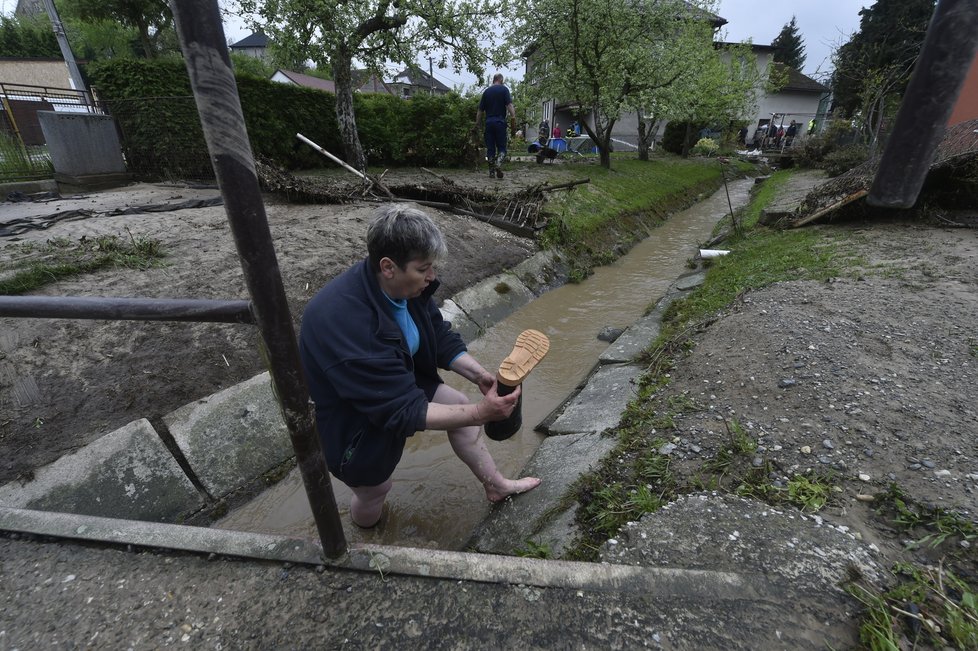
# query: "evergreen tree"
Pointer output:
{"type": "Point", "coordinates": [26, 37]}
{"type": "Point", "coordinates": [789, 49]}
{"type": "Point", "coordinates": [878, 59]}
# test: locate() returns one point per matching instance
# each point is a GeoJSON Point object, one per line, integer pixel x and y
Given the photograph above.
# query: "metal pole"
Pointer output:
{"type": "Point", "coordinates": [948, 50]}
{"type": "Point", "coordinates": [127, 309]}
{"type": "Point", "coordinates": [205, 52]}
{"type": "Point", "coordinates": [59, 33]}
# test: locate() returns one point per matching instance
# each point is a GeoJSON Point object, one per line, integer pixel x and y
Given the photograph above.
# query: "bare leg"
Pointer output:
{"type": "Point", "coordinates": [470, 447]}
{"type": "Point", "coordinates": [367, 503]}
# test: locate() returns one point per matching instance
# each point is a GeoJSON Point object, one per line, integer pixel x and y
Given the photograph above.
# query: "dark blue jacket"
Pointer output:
{"type": "Point", "coordinates": [370, 393]}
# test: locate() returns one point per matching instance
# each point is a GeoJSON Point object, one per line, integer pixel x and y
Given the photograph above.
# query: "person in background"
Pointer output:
{"type": "Point", "coordinates": [556, 132]}
{"type": "Point", "coordinates": [790, 133]}
{"type": "Point", "coordinates": [371, 343]}
{"type": "Point", "coordinates": [495, 104]}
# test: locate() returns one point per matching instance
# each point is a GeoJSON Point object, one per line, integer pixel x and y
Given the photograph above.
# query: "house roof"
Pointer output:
{"type": "Point", "coordinates": [257, 39]}
{"type": "Point", "coordinates": [756, 47]}
{"type": "Point", "coordinates": [308, 81]}
{"type": "Point", "coordinates": [800, 82]}
{"type": "Point", "coordinates": [418, 77]}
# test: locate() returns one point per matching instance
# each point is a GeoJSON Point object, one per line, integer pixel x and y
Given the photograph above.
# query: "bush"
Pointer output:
{"type": "Point", "coordinates": [153, 105]}
{"type": "Point", "coordinates": [706, 147]}
{"type": "Point", "coordinates": [839, 134]}
{"type": "Point", "coordinates": [844, 159]}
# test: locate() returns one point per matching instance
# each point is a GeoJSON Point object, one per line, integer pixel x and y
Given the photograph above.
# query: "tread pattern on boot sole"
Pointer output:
{"type": "Point", "coordinates": [531, 347]}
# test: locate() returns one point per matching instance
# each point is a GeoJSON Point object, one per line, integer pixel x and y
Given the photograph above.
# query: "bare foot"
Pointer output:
{"type": "Point", "coordinates": [511, 487]}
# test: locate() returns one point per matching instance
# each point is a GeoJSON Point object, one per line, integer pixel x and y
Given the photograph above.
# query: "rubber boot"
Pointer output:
{"type": "Point", "coordinates": [531, 347]}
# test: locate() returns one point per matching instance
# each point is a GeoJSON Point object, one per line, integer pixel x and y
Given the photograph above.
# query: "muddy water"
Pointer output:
{"type": "Point", "coordinates": [436, 502]}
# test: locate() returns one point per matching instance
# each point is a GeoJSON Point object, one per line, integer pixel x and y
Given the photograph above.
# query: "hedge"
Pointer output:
{"type": "Point", "coordinates": [153, 105]}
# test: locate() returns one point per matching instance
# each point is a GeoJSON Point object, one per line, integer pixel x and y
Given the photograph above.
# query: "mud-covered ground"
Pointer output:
{"type": "Point", "coordinates": [64, 383]}
{"type": "Point", "coordinates": [867, 381]}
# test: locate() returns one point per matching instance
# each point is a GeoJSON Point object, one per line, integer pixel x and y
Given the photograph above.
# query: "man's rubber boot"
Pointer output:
{"type": "Point", "coordinates": [499, 165]}
{"type": "Point", "coordinates": [531, 347]}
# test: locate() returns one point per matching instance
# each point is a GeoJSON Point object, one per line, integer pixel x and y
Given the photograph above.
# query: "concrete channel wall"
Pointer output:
{"type": "Point", "coordinates": [233, 442]}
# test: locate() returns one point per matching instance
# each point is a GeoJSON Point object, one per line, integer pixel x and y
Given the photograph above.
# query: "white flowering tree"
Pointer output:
{"type": "Point", "coordinates": [338, 34]}
{"type": "Point", "coordinates": [605, 55]}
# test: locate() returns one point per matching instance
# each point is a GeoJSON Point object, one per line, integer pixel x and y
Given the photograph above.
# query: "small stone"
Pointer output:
{"type": "Point", "coordinates": [787, 382]}
{"type": "Point", "coordinates": [942, 473]}
{"type": "Point", "coordinates": [965, 544]}
{"type": "Point", "coordinates": [930, 465]}
{"type": "Point", "coordinates": [868, 452]}
{"type": "Point", "coordinates": [828, 444]}
{"type": "Point", "coordinates": [757, 462]}
{"type": "Point", "coordinates": [913, 466]}
{"type": "Point", "coordinates": [805, 449]}
{"type": "Point", "coordinates": [609, 333]}
{"type": "Point", "coordinates": [667, 449]}
{"type": "Point", "coordinates": [863, 477]}
{"type": "Point", "coordinates": [863, 497]}
{"type": "Point", "coordinates": [695, 449]}
{"type": "Point", "coordinates": [824, 459]}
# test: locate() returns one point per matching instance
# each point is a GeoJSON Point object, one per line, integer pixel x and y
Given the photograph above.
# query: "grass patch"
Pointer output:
{"type": "Point", "coordinates": [61, 258]}
{"type": "Point", "coordinates": [598, 221]}
{"type": "Point", "coordinates": [936, 524]}
{"type": "Point", "coordinates": [928, 608]}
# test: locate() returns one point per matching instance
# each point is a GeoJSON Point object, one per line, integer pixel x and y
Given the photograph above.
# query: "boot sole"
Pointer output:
{"type": "Point", "coordinates": [531, 347]}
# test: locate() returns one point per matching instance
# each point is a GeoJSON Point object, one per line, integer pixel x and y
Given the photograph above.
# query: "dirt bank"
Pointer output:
{"type": "Point", "coordinates": [63, 383]}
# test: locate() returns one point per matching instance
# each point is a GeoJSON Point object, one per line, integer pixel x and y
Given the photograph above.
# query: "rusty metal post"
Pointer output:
{"type": "Point", "coordinates": [206, 55]}
{"type": "Point", "coordinates": [948, 50]}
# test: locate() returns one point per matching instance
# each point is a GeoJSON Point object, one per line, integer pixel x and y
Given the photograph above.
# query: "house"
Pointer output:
{"type": "Point", "coordinates": [966, 107]}
{"type": "Point", "coordinates": [30, 71]}
{"type": "Point", "coordinates": [564, 113]}
{"type": "Point", "coordinates": [411, 81]}
{"type": "Point", "coordinates": [801, 99]}
{"type": "Point", "coordinates": [254, 45]}
{"type": "Point", "coordinates": [364, 82]}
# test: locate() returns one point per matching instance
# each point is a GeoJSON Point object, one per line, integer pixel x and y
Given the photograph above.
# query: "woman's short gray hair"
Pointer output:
{"type": "Point", "coordinates": [403, 234]}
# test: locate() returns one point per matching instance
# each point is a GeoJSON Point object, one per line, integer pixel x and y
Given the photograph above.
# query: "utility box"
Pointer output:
{"type": "Point", "coordinates": [85, 150]}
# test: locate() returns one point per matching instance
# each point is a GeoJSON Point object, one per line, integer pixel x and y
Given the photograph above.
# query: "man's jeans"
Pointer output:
{"type": "Point", "coordinates": [495, 140]}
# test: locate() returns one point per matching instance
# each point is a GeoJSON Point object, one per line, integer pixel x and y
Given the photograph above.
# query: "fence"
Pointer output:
{"type": "Point", "coordinates": [23, 151]}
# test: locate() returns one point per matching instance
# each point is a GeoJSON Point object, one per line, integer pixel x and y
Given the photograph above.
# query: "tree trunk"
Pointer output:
{"type": "Point", "coordinates": [345, 118]}
{"type": "Point", "coordinates": [643, 142]}
{"type": "Point", "coordinates": [689, 130]}
{"type": "Point", "coordinates": [646, 135]}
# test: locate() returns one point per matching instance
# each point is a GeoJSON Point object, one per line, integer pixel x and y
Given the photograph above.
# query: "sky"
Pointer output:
{"type": "Point", "coordinates": [823, 25]}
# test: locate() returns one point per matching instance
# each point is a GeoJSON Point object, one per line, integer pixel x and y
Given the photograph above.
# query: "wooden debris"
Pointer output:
{"type": "Point", "coordinates": [835, 206]}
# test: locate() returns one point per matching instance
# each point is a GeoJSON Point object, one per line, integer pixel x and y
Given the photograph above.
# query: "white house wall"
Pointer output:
{"type": "Point", "coordinates": [794, 105]}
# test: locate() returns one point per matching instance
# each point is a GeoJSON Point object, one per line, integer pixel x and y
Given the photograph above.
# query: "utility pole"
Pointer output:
{"type": "Point", "coordinates": [59, 33]}
{"type": "Point", "coordinates": [431, 77]}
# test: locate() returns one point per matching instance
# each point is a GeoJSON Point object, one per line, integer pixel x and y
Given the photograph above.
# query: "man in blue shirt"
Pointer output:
{"type": "Point", "coordinates": [495, 104]}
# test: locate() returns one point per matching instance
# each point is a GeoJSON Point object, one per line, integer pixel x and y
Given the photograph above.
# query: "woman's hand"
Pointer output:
{"type": "Point", "coordinates": [495, 407]}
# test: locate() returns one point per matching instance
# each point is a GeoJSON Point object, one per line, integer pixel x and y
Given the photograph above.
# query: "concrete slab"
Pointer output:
{"type": "Point", "coordinates": [461, 323]}
{"type": "Point", "coordinates": [635, 339]}
{"type": "Point", "coordinates": [493, 299]}
{"type": "Point", "coordinates": [717, 532]}
{"type": "Point", "coordinates": [689, 281]}
{"type": "Point", "coordinates": [542, 272]}
{"type": "Point", "coordinates": [599, 404]}
{"type": "Point", "coordinates": [559, 460]}
{"type": "Point", "coordinates": [232, 437]}
{"type": "Point", "coordinates": [126, 474]}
